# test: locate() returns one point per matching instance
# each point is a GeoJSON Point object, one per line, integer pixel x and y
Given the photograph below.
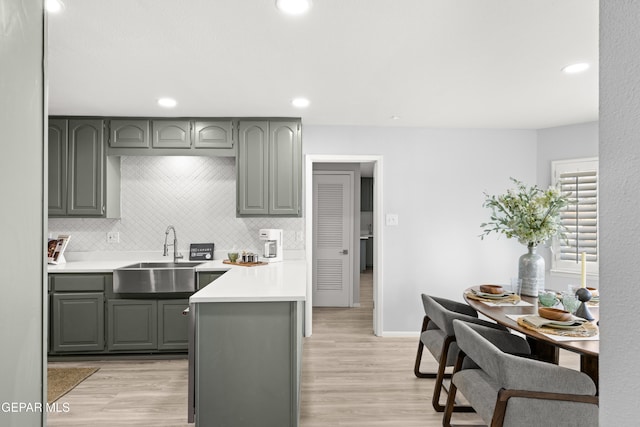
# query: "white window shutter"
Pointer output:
{"type": "Point", "coordinates": [578, 180]}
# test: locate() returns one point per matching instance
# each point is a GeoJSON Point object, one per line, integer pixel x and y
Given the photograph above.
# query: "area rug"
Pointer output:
{"type": "Point", "coordinates": [61, 381]}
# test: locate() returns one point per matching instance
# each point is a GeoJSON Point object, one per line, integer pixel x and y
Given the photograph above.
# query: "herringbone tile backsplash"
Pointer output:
{"type": "Point", "coordinates": [197, 195]}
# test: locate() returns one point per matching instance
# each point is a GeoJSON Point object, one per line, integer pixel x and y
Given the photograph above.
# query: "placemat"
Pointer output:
{"type": "Point", "coordinates": [587, 329]}
{"type": "Point", "coordinates": [514, 299]}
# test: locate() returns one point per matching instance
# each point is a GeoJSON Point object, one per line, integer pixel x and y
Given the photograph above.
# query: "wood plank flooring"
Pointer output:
{"type": "Point", "coordinates": [349, 378]}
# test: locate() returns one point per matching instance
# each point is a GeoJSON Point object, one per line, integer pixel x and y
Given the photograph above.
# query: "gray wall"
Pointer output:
{"type": "Point", "coordinates": [434, 180]}
{"type": "Point", "coordinates": [619, 225]}
{"type": "Point", "coordinates": [21, 180]}
{"type": "Point", "coordinates": [563, 143]}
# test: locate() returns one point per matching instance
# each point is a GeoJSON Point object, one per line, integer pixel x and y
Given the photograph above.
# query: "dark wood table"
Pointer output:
{"type": "Point", "coordinates": [544, 347]}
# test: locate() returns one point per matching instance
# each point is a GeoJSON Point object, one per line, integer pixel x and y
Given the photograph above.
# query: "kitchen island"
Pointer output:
{"type": "Point", "coordinates": [247, 351]}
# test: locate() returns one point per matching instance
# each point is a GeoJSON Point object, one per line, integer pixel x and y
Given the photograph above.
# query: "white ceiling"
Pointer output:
{"type": "Point", "coordinates": [432, 63]}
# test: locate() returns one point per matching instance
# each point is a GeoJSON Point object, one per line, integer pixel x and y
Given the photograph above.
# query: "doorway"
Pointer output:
{"type": "Point", "coordinates": [337, 160]}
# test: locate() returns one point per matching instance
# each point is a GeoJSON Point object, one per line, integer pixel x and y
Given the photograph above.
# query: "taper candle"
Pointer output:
{"type": "Point", "coordinates": [583, 277]}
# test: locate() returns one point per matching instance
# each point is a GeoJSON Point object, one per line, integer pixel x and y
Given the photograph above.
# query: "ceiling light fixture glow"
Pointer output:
{"type": "Point", "coordinates": [576, 68]}
{"type": "Point", "coordinates": [293, 7]}
{"type": "Point", "coordinates": [167, 102]}
{"type": "Point", "coordinates": [54, 6]}
{"type": "Point", "coordinates": [300, 102]}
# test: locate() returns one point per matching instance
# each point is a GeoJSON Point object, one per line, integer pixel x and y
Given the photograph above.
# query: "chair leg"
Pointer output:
{"type": "Point", "coordinates": [416, 367]}
{"type": "Point", "coordinates": [451, 397]}
{"type": "Point", "coordinates": [440, 379]}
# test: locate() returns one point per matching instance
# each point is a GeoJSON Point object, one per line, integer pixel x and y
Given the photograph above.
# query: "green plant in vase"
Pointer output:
{"type": "Point", "coordinates": [532, 216]}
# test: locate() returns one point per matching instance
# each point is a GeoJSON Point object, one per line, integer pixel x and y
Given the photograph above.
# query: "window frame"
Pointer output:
{"type": "Point", "coordinates": [566, 266]}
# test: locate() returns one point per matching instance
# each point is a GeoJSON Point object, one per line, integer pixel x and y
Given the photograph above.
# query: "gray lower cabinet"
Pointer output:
{"type": "Point", "coordinates": [173, 325]}
{"type": "Point", "coordinates": [132, 325]}
{"type": "Point", "coordinates": [147, 325]}
{"type": "Point", "coordinates": [77, 322]}
{"type": "Point", "coordinates": [76, 310]}
{"type": "Point", "coordinates": [87, 317]}
{"type": "Point", "coordinates": [205, 277]}
{"type": "Point", "coordinates": [269, 168]}
{"type": "Point", "coordinates": [82, 181]}
{"type": "Point", "coordinates": [248, 363]}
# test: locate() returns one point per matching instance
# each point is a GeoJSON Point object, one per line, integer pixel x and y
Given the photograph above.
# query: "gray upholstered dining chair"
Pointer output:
{"type": "Point", "coordinates": [507, 389]}
{"type": "Point", "coordinates": [438, 337]}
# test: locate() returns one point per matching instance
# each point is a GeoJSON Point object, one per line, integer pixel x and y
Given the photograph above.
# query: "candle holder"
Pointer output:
{"type": "Point", "coordinates": [584, 296]}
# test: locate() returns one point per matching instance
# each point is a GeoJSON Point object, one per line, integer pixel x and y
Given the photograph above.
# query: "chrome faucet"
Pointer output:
{"type": "Point", "coordinates": [176, 255]}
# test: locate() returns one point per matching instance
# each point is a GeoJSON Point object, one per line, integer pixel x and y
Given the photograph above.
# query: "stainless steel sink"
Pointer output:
{"type": "Point", "coordinates": [155, 277]}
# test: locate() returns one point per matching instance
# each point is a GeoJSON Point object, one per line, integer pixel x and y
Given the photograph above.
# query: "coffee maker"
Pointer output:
{"type": "Point", "coordinates": [272, 244]}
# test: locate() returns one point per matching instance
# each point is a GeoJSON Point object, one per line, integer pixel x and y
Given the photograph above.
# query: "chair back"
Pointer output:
{"type": "Point", "coordinates": [436, 309]}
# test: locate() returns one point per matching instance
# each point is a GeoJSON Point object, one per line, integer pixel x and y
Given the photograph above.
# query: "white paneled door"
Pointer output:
{"type": "Point", "coordinates": [332, 237]}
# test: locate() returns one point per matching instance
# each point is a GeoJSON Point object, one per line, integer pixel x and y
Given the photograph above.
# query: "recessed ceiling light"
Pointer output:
{"type": "Point", "coordinates": [293, 7]}
{"type": "Point", "coordinates": [54, 6]}
{"type": "Point", "coordinates": [576, 68]}
{"type": "Point", "coordinates": [167, 102]}
{"type": "Point", "coordinates": [300, 102]}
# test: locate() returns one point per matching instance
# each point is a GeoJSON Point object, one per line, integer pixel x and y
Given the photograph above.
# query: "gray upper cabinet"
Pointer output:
{"type": "Point", "coordinates": [86, 166]}
{"type": "Point", "coordinates": [82, 181]}
{"type": "Point", "coordinates": [57, 171]}
{"type": "Point", "coordinates": [213, 134]}
{"type": "Point", "coordinates": [252, 169]}
{"type": "Point", "coordinates": [129, 133]}
{"type": "Point", "coordinates": [284, 168]}
{"type": "Point", "coordinates": [366, 194]}
{"type": "Point", "coordinates": [268, 168]}
{"type": "Point", "coordinates": [171, 134]}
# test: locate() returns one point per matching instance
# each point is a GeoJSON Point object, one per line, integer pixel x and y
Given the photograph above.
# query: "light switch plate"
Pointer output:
{"type": "Point", "coordinates": [392, 219]}
{"type": "Point", "coordinates": [113, 237]}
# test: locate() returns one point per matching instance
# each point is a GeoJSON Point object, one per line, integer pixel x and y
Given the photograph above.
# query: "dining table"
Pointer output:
{"type": "Point", "coordinates": [545, 346]}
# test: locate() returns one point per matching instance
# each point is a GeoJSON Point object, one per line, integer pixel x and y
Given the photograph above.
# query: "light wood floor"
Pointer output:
{"type": "Point", "coordinates": [349, 378]}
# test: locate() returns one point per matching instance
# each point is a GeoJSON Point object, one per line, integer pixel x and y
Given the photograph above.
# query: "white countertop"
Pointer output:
{"type": "Point", "coordinates": [280, 281]}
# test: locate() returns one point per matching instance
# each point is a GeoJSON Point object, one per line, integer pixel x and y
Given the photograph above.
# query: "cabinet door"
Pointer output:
{"type": "Point", "coordinates": [369, 260]}
{"type": "Point", "coordinates": [77, 322]}
{"type": "Point", "coordinates": [213, 134]}
{"type": "Point", "coordinates": [86, 168]}
{"type": "Point", "coordinates": [173, 326]}
{"type": "Point", "coordinates": [366, 194]}
{"type": "Point", "coordinates": [206, 277]}
{"type": "Point", "coordinates": [252, 168]}
{"type": "Point", "coordinates": [171, 134]}
{"type": "Point", "coordinates": [284, 168]}
{"type": "Point", "coordinates": [132, 325]}
{"type": "Point", "coordinates": [129, 133]}
{"type": "Point", "coordinates": [57, 167]}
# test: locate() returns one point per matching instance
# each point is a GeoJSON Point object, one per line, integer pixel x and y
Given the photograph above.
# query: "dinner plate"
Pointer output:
{"type": "Point", "coordinates": [562, 325]}
{"type": "Point", "coordinates": [492, 296]}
